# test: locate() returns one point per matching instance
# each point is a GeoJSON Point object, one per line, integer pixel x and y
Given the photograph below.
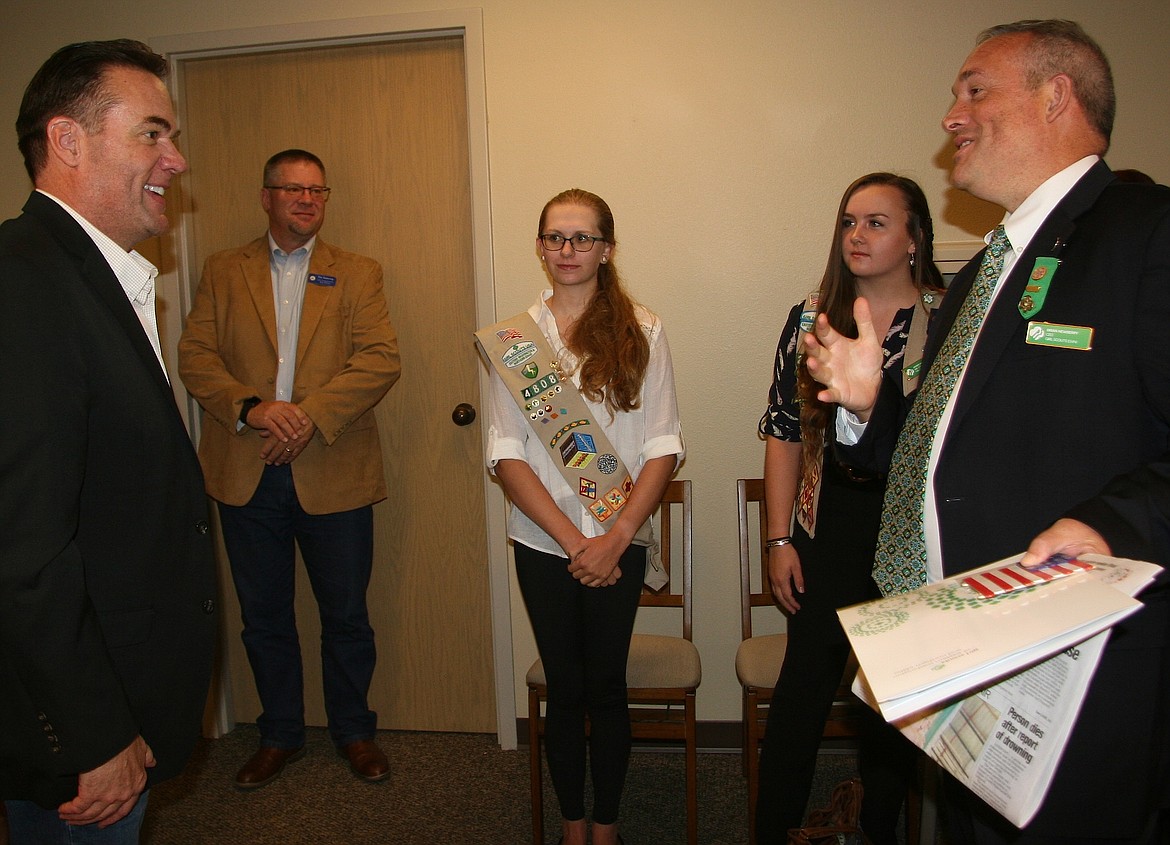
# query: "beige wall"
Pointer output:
{"type": "Point", "coordinates": [722, 134]}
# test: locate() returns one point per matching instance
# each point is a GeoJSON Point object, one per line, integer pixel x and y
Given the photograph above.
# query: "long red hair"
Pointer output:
{"type": "Point", "coordinates": [608, 340]}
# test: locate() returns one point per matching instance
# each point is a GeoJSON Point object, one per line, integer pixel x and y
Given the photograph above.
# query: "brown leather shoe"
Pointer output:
{"type": "Point", "coordinates": [366, 760]}
{"type": "Point", "coordinates": [266, 765]}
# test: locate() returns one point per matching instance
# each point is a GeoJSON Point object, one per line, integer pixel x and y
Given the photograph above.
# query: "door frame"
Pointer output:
{"type": "Point", "coordinates": [468, 24]}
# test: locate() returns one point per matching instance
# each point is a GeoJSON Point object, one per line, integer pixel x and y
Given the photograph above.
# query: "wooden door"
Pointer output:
{"type": "Point", "coordinates": [389, 121]}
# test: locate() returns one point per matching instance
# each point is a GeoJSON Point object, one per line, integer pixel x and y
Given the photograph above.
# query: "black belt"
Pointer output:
{"type": "Point", "coordinates": [848, 476]}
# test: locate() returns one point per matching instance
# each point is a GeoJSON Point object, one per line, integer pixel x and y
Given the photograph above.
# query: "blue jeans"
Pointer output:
{"type": "Point", "coordinates": [337, 549]}
{"type": "Point", "coordinates": [31, 824]}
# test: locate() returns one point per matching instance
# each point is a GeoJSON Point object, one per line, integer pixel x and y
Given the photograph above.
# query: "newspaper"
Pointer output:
{"type": "Point", "coordinates": [1004, 740]}
{"type": "Point", "coordinates": [925, 647]}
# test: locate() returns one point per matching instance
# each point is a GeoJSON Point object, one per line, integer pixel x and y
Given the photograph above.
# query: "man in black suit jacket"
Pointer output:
{"type": "Point", "coordinates": [107, 590]}
{"type": "Point", "coordinates": [1055, 438]}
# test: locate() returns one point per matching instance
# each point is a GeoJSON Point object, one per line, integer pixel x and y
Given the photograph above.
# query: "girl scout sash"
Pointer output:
{"type": "Point", "coordinates": [560, 420]}
{"type": "Point", "coordinates": [519, 352]}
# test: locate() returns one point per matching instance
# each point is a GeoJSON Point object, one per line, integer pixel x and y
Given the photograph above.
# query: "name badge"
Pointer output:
{"type": "Point", "coordinates": [1055, 334]}
{"type": "Point", "coordinates": [323, 281]}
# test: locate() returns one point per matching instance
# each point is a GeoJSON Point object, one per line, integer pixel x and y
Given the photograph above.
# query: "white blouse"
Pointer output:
{"type": "Point", "coordinates": [650, 431]}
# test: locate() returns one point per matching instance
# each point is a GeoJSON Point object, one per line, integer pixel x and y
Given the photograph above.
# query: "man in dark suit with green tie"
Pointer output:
{"type": "Point", "coordinates": [1048, 427]}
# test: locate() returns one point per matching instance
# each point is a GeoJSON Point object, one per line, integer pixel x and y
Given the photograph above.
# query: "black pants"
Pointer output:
{"type": "Point", "coordinates": [800, 704]}
{"type": "Point", "coordinates": [583, 635]}
{"type": "Point", "coordinates": [836, 567]}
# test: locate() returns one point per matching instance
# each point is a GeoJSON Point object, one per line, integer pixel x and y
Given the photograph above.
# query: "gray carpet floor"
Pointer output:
{"type": "Point", "coordinates": [445, 788]}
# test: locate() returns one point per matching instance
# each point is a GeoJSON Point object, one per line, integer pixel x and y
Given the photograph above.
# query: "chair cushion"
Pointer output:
{"type": "Point", "coordinates": [655, 662]}
{"type": "Point", "coordinates": [758, 659]}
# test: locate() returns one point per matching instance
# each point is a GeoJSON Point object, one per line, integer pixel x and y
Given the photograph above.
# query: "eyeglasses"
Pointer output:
{"type": "Point", "coordinates": [293, 192]}
{"type": "Point", "coordinates": [579, 243]}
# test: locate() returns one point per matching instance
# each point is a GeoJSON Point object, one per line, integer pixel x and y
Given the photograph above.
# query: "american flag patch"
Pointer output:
{"type": "Point", "coordinates": [509, 334]}
{"type": "Point", "coordinates": [996, 582]}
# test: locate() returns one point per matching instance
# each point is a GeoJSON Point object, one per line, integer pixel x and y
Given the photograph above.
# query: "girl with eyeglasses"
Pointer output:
{"type": "Point", "coordinates": [581, 581]}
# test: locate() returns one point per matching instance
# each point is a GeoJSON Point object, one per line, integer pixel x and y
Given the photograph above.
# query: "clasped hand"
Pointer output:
{"type": "Point", "coordinates": [286, 430]}
{"type": "Point", "coordinates": [594, 564]}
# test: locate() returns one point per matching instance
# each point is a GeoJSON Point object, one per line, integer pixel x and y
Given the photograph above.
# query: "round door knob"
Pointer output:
{"type": "Point", "coordinates": [463, 414]}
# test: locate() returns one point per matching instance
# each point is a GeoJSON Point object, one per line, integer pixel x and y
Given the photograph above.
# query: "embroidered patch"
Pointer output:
{"type": "Point", "coordinates": [601, 511]}
{"type": "Point", "coordinates": [578, 450]}
{"type": "Point", "coordinates": [519, 354]}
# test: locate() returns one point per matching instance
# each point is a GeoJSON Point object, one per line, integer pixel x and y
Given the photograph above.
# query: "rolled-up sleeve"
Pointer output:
{"type": "Point", "coordinates": [663, 431]}
{"type": "Point", "coordinates": [507, 430]}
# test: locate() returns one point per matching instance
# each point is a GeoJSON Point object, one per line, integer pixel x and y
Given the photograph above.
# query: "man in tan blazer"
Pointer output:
{"type": "Point", "coordinates": [288, 348]}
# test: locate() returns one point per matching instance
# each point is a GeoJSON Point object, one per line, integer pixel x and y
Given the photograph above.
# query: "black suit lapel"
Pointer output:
{"type": "Point", "coordinates": [1003, 325]}
{"type": "Point", "coordinates": [106, 287]}
{"type": "Point", "coordinates": [100, 279]}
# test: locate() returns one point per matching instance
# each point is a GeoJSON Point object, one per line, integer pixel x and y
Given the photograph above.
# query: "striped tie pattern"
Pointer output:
{"type": "Point", "coordinates": [900, 559]}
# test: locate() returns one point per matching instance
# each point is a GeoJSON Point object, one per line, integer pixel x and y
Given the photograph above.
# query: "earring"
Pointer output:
{"type": "Point", "coordinates": [604, 259]}
{"type": "Point", "coordinates": [911, 260]}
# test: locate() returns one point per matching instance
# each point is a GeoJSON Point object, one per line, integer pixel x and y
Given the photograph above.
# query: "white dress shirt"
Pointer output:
{"type": "Point", "coordinates": [290, 271]}
{"type": "Point", "coordinates": [135, 274]}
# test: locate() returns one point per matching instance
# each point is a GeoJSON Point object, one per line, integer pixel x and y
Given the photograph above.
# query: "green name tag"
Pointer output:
{"type": "Point", "coordinates": [1065, 337]}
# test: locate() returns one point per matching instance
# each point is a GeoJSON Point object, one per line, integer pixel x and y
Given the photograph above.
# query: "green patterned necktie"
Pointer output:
{"type": "Point", "coordinates": [900, 560]}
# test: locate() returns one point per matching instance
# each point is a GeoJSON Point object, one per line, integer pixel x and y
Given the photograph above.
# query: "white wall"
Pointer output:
{"type": "Point", "coordinates": [722, 134]}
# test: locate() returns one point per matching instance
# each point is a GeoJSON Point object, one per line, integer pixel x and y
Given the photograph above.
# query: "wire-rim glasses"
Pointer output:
{"type": "Point", "coordinates": [293, 192]}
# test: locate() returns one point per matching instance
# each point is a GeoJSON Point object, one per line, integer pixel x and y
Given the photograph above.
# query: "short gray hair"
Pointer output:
{"type": "Point", "coordinates": [1061, 46]}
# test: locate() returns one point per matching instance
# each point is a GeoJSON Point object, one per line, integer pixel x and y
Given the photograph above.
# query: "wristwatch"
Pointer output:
{"type": "Point", "coordinates": [246, 408]}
